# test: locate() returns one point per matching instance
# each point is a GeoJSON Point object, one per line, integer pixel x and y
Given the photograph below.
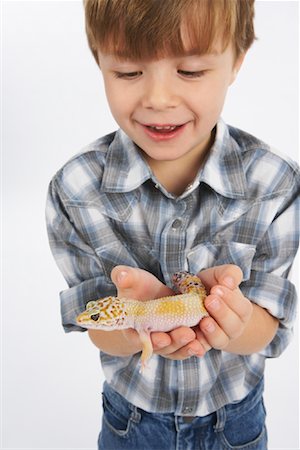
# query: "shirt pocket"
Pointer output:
{"type": "Point", "coordinates": [210, 254]}
{"type": "Point", "coordinates": [134, 255]}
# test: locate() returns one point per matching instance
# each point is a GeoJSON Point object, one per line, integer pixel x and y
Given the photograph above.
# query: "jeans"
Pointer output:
{"type": "Point", "coordinates": [235, 426]}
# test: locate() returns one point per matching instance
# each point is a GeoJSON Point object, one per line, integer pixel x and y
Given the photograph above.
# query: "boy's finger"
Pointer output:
{"type": "Point", "coordinates": [193, 349]}
{"type": "Point", "coordinates": [135, 283]}
{"type": "Point", "coordinates": [182, 344]}
{"type": "Point", "coordinates": [214, 335]}
{"type": "Point", "coordinates": [178, 338]}
{"type": "Point", "coordinates": [235, 300]}
{"type": "Point", "coordinates": [201, 338]}
{"type": "Point", "coordinates": [228, 275]}
{"type": "Point", "coordinates": [222, 316]}
{"type": "Point", "coordinates": [160, 340]}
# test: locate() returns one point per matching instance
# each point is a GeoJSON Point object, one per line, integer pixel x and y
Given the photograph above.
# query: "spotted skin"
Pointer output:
{"type": "Point", "coordinates": [161, 314]}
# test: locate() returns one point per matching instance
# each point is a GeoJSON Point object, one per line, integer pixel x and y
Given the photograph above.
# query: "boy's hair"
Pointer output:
{"type": "Point", "coordinates": [149, 29]}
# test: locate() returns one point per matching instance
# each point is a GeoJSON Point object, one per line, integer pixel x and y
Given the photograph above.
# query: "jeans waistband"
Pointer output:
{"type": "Point", "coordinates": [218, 417]}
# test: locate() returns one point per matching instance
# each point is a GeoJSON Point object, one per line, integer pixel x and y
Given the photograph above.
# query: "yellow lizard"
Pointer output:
{"type": "Point", "coordinates": [161, 314]}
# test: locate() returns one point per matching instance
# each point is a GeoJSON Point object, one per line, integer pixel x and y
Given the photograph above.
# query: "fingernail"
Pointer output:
{"type": "Point", "coordinates": [229, 282]}
{"type": "Point", "coordinates": [218, 291]}
{"type": "Point", "coordinates": [121, 275]}
{"type": "Point", "coordinates": [214, 304]}
{"type": "Point", "coordinates": [210, 327]}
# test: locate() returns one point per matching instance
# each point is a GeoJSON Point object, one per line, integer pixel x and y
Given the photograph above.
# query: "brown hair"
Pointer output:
{"type": "Point", "coordinates": [147, 29]}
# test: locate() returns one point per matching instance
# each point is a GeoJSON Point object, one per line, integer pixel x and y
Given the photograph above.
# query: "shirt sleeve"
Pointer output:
{"type": "Point", "coordinates": [76, 260]}
{"type": "Point", "coordinates": [269, 285]}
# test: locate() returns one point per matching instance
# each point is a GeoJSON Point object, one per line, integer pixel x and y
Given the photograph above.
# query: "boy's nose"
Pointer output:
{"type": "Point", "coordinates": [160, 95]}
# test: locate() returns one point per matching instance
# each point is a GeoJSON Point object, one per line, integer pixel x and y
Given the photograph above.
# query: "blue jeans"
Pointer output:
{"type": "Point", "coordinates": [235, 426]}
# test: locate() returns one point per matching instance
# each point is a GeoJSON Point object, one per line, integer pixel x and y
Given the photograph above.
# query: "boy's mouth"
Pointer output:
{"type": "Point", "coordinates": [163, 131]}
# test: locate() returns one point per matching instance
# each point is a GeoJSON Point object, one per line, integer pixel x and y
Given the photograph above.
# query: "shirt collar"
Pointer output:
{"type": "Point", "coordinates": [223, 171]}
{"type": "Point", "coordinates": [125, 168]}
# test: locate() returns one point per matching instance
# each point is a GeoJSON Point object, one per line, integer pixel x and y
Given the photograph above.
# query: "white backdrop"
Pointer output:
{"type": "Point", "coordinates": [53, 105]}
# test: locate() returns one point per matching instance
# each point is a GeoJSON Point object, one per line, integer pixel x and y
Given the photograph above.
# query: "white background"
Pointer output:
{"type": "Point", "coordinates": [53, 105]}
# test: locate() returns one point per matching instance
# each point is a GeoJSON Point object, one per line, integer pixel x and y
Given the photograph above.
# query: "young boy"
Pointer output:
{"type": "Point", "coordinates": [175, 188]}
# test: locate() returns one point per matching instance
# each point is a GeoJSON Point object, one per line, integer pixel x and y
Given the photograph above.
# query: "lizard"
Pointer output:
{"type": "Point", "coordinates": [160, 314]}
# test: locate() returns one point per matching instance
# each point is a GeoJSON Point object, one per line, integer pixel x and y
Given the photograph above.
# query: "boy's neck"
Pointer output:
{"type": "Point", "coordinates": [177, 175]}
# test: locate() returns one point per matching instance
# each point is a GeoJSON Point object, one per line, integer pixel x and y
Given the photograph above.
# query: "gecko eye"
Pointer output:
{"type": "Point", "coordinates": [95, 317]}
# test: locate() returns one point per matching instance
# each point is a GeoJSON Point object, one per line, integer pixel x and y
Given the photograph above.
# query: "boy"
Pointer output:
{"type": "Point", "coordinates": [177, 189]}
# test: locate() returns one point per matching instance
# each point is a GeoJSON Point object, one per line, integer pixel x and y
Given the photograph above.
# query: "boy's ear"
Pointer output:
{"type": "Point", "coordinates": [237, 65]}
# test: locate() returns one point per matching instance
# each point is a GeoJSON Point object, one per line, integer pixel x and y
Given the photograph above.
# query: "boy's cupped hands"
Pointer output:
{"type": "Point", "coordinates": [229, 310]}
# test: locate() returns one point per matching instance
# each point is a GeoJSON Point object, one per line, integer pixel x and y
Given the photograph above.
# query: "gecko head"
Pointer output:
{"type": "Point", "coordinates": [188, 283]}
{"type": "Point", "coordinates": [180, 279]}
{"type": "Point", "coordinates": [180, 276]}
{"type": "Point", "coordinates": [104, 314]}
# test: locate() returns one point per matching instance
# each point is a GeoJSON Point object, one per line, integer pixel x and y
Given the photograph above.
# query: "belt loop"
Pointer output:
{"type": "Point", "coordinates": [135, 415]}
{"type": "Point", "coordinates": [221, 419]}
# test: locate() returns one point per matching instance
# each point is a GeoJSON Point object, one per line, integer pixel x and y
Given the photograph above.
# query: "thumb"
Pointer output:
{"type": "Point", "coordinates": [228, 275]}
{"type": "Point", "coordinates": [135, 283]}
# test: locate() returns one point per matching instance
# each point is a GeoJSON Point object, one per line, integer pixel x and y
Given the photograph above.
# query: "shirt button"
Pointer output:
{"type": "Point", "coordinates": [176, 224]}
{"type": "Point", "coordinates": [187, 410]}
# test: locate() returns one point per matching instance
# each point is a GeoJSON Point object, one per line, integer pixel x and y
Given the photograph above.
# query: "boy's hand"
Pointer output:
{"type": "Point", "coordinates": [230, 311]}
{"type": "Point", "coordinates": [142, 285]}
{"type": "Point", "coordinates": [184, 342]}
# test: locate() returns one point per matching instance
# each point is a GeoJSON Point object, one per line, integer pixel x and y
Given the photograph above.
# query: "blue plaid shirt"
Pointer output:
{"type": "Point", "coordinates": [105, 208]}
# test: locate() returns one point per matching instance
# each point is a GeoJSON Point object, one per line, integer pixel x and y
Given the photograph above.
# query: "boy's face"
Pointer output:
{"type": "Point", "coordinates": [169, 106]}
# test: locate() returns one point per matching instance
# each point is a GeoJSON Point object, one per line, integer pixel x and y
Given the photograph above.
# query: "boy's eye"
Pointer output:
{"type": "Point", "coordinates": [189, 74]}
{"type": "Point", "coordinates": [128, 75]}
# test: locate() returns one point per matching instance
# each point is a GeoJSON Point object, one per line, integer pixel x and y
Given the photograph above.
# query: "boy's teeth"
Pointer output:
{"type": "Point", "coordinates": [167, 128]}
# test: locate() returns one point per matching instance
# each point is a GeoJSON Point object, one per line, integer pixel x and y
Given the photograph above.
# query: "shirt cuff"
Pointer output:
{"type": "Point", "coordinates": [74, 299]}
{"type": "Point", "coordinates": [278, 296]}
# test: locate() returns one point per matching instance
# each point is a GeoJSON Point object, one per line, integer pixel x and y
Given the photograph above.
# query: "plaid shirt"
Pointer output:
{"type": "Point", "coordinates": [105, 208]}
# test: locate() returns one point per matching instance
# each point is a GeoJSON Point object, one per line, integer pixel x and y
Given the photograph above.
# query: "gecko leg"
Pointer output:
{"type": "Point", "coordinates": [147, 348]}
